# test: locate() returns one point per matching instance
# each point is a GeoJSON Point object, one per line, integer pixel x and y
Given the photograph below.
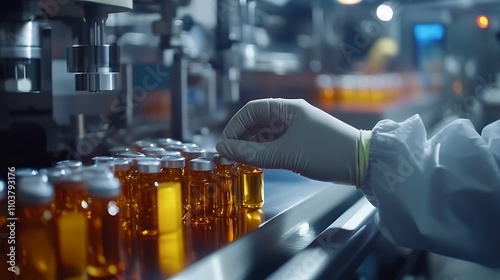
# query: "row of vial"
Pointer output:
{"type": "Point", "coordinates": [93, 222]}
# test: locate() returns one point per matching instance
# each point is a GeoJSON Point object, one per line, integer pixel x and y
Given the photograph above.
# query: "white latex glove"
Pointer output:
{"type": "Point", "coordinates": [292, 135]}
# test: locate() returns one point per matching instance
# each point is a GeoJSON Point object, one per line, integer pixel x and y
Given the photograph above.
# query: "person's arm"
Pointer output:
{"type": "Point", "coordinates": [440, 195]}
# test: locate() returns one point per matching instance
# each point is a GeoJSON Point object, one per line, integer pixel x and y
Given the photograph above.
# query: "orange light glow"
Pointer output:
{"type": "Point", "coordinates": [457, 87]}
{"type": "Point", "coordinates": [483, 22]}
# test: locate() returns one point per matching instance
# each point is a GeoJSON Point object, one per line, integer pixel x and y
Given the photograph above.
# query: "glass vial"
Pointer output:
{"type": "Point", "coordinates": [105, 252]}
{"type": "Point", "coordinates": [114, 151]}
{"type": "Point", "coordinates": [147, 197]}
{"type": "Point", "coordinates": [226, 177]}
{"type": "Point", "coordinates": [36, 244]}
{"type": "Point", "coordinates": [139, 145]}
{"type": "Point", "coordinates": [202, 199]}
{"type": "Point", "coordinates": [71, 210]}
{"type": "Point", "coordinates": [172, 194]}
{"type": "Point", "coordinates": [170, 211]}
{"type": "Point", "coordinates": [251, 186]}
{"type": "Point", "coordinates": [102, 160]}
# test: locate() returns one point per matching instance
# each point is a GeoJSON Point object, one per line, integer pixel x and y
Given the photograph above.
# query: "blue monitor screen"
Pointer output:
{"type": "Point", "coordinates": [428, 33]}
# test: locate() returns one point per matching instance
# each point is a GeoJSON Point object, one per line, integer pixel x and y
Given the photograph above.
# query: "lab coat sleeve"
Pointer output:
{"type": "Point", "coordinates": [441, 195]}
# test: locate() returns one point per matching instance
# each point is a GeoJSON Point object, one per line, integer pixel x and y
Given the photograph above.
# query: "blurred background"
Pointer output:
{"type": "Point", "coordinates": [79, 77]}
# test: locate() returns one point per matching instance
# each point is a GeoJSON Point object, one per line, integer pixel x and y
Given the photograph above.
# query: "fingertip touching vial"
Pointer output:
{"type": "Point", "coordinates": [35, 240]}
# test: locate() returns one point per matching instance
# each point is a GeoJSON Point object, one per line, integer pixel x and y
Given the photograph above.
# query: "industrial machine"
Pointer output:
{"type": "Point", "coordinates": [80, 76]}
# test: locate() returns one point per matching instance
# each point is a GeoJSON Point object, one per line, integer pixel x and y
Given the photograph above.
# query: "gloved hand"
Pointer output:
{"type": "Point", "coordinates": [292, 135]}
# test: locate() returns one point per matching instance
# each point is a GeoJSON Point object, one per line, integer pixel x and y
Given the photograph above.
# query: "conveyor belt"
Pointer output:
{"type": "Point", "coordinates": [297, 211]}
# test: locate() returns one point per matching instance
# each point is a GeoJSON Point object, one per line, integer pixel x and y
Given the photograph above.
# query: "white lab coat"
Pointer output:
{"type": "Point", "coordinates": [441, 195]}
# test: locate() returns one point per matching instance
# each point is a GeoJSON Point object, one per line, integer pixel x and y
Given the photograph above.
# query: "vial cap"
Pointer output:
{"type": "Point", "coordinates": [201, 164]}
{"type": "Point", "coordinates": [121, 164]}
{"type": "Point", "coordinates": [148, 150]}
{"type": "Point", "coordinates": [220, 160]}
{"type": "Point", "coordinates": [35, 190]}
{"type": "Point", "coordinates": [25, 172]}
{"type": "Point", "coordinates": [103, 187]}
{"type": "Point", "coordinates": [190, 145]}
{"type": "Point", "coordinates": [164, 153]}
{"type": "Point", "coordinates": [193, 153]}
{"type": "Point", "coordinates": [176, 148]}
{"type": "Point", "coordinates": [130, 155]}
{"type": "Point", "coordinates": [73, 165]}
{"type": "Point", "coordinates": [172, 162]}
{"type": "Point", "coordinates": [102, 159]}
{"type": "Point", "coordinates": [148, 166]}
{"type": "Point", "coordinates": [119, 149]}
{"type": "Point", "coordinates": [55, 174]}
{"type": "Point", "coordinates": [144, 143]}
{"type": "Point", "coordinates": [74, 181]}
{"type": "Point", "coordinates": [3, 190]}
{"type": "Point", "coordinates": [136, 160]}
{"type": "Point", "coordinates": [166, 141]}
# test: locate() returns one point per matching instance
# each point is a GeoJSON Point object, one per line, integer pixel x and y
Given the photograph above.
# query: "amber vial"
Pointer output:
{"type": "Point", "coordinates": [190, 154]}
{"type": "Point", "coordinates": [35, 240]}
{"type": "Point", "coordinates": [147, 197]}
{"type": "Point", "coordinates": [170, 194]}
{"type": "Point", "coordinates": [55, 175]}
{"type": "Point", "coordinates": [202, 192]}
{"type": "Point", "coordinates": [248, 220]}
{"type": "Point", "coordinates": [251, 186]}
{"type": "Point", "coordinates": [105, 251]}
{"type": "Point", "coordinates": [226, 177]}
{"type": "Point", "coordinates": [71, 199]}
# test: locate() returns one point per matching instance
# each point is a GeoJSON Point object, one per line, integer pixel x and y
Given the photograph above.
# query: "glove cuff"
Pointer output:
{"type": "Point", "coordinates": [363, 155]}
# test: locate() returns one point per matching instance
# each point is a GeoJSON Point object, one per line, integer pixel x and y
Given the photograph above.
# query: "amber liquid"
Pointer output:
{"type": "Point", "coordinates": [251, 187]}
{"type": "Point", "coordinates": [125, 203]}
{"type": "Point", "coordinates": [36, 244]}
{"type": "Point", "coordinates": [147, 205]}
{"type": "Point", "coordinates": [105, 252]}
{"type": "Point", "coordinates": [172, 254]}
{"type": "Point", "coordinates": [227, 184]}
{"type": "Point", "coordinates": [176, 175]}
{"type": "Point", "coordinates": [149, 258]}
{"type": "Point", "coordinates": [71, 220]}
{"type": "Point", "coordinates": [203, 195]}
{"type": "Point", "coordinates": [248, 220]}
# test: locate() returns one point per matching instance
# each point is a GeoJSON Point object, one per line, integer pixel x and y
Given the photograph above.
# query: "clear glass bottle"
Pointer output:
{"type": "Point", "coordinates": [147, 197]}
{"type": "Point", "coordinates": [71, 212]}
{"type": "Point", "coordinates": [35, 240]}
{"type": "Point", "coordinates": [251, 186]}
{"type": "Point", "coordinates": [226, 176]}
{"type": "Point", "coordinates": [105, 252]}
